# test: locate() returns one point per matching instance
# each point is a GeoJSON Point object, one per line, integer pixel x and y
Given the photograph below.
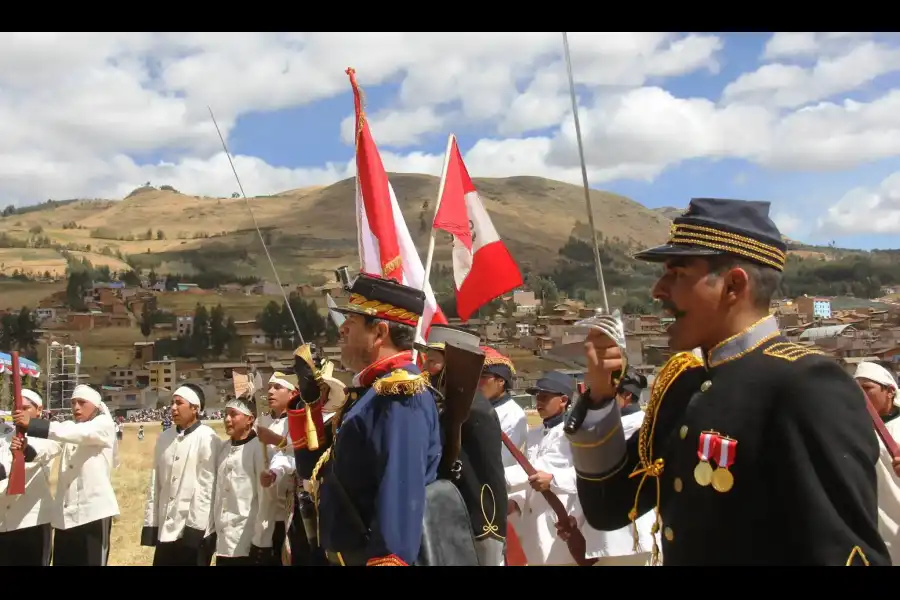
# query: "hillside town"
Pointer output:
{"type": "Point", "coordinates": [537, 336]}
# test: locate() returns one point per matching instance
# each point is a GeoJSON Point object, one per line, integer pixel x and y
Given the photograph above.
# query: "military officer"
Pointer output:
{"type": "Point", "coordinates": [481, 482]}
{"type": "Point", "coordinates": [761, 453]}
{"type": "Point", "coordinates": [370, 482]}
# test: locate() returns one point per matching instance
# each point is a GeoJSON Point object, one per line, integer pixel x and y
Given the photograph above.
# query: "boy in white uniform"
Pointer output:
{"type": "Point", "coordinates": [243, 526]}
{"type": "Point", "coordinates": [178, 518]}
{"type": "Point", "coordinates": [85, 502]}
{"type": "Point", "coordinates": [25, 531]}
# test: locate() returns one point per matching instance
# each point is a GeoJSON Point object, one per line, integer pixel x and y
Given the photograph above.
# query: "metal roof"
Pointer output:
{"type": "Point", "coordinates": [814, 333]}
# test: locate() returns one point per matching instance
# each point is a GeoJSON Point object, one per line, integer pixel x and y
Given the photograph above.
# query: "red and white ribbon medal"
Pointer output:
{"type": "Point", "coordinates": [722, 478]}
{"type": "Point", "coordinates": [707, 448]}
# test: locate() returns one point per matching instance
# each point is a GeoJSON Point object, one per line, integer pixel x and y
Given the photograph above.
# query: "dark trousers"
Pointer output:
{"type": "Point", "coordinates": [234, 561]}
{"type": "Point", "coordinates": [28, 547]}
{"type": "Point", "coordinates": [184, 553]}
{"type": "Point", "coordinates": [296, 537]}
{"type": "Point", "coordinates": [82, 546]}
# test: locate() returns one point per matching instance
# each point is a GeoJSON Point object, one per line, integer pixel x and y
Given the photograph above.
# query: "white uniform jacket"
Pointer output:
{"type": "Point", "coordinates": [548, 451]}
{"type": "Point", "coordinates": [608, 545]}
{"type": "Point", "coordinates": [84, 492]}
{"type": "Point", "coordinates": [182, 485]}
{"type": "Point", "coordinates": [241, 503]}
{"type": "Point", "coordinates": [35, 506]}
{"type": "Point", "coordinates": [281, 463]}
{"type": "Point", "coordinates": [514, 423]}
{"type": "Point", "coordinates": [889, 495]}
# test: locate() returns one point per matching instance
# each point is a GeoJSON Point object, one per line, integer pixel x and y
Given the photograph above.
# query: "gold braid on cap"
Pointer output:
{"type": "Point", "coordinates": [499, 359]}
{"type": "Point", "coordinates": [717, 239]}
{"type": "Point", "coordinates": [648, 467]}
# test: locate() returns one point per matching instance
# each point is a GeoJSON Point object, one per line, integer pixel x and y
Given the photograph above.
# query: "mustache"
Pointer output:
{"type": "Point", "coordinates": [672, 308]}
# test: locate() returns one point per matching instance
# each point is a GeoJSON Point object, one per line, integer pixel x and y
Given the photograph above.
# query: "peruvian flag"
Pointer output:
{"type": "Point", "coordinates": [482, 266]}
{"type": "Point", "coordinates": [385, 247]}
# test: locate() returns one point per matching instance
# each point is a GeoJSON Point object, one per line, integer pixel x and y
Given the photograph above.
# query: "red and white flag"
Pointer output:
{"type": "Point", "coordinates": [385, 247]}
{"type": "Point", "coordinates": [482, 266]}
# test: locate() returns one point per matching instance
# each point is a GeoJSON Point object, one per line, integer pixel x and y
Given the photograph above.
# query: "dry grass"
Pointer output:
{"type": "Point", "coordinates": [36, 261]}
{"type": "Point", "coordinates": [130, 483]}
{"type": "Point", "coordinates": [239, 306]}
{"type": "Point", "coordinates": [16, 294]}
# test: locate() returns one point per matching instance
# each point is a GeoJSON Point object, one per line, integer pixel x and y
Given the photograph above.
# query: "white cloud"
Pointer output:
{"type": "Point", "coordinates": [866, 210]}
{"type": "Point", "coordinates": [76, 108]}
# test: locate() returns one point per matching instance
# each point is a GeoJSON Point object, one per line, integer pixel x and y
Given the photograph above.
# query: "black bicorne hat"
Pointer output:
{"type": "Point", "coordinates": [714, 227]}
{"type": "Point", "coordinates": [385, 299]}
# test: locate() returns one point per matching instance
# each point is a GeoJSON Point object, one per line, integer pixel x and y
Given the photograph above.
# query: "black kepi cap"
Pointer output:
{"type": "Point", "coordinates": [554, 382]}
{"type": "Point", "coordinates": [385, 299]}
{"type": "Point", "coordinates": [715, 227]}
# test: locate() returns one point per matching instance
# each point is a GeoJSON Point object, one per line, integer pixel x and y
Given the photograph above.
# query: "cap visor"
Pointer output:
{"type": "Point", "coordinates": [668, 251]}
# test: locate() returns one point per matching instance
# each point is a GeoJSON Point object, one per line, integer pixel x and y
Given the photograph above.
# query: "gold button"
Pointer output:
{"type": "Point", "coordinates": [670, 535]}
{"type": "Point", "coordinates": [678, 484]}
{"type": "Point", "coordinates": [683, 432]}
{"type": "Point", "coordinates": [704, 387]}
{"type": "Point", "coordinates": [354, 395]}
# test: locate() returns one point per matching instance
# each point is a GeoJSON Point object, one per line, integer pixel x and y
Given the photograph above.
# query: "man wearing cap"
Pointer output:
{"type": "Point", "coordinates": [85, 502]}
{"type": "Point", "coordinates": [178, 518]}
{"type": "Point", "coordinates": [25, 531]}
{"type": "Point", "coordinates": [243, 523]}
{"type": "Point", "coordinates": [481, 481]}
{"type": "Point", "coordinates": [550, 455]}
{"type": "Point", "coordinates": [880, 387]}
{"type": "Point", "coordinates": [370, 484]}
{"type": "Point", "coordinates": [496, 384]}
{"type": "Point", "coordinates": [762, 453]}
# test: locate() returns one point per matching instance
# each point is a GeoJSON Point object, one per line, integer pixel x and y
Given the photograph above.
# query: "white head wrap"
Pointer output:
{"type": "Point", "coordinates": [32, 397]}
{"type": "Point", "coordinates": [189, 395]}
{"type": "Point", "coordinates": [239, 405]}
{"type": "Point", "coordinates": [89, 394]}
{"type": "Point", "coordinates": [278, 379]}
{"type": "Point", "coordinates": [878, 374]}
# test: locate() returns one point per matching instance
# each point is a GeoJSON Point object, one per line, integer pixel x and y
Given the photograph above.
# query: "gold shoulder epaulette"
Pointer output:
{"type": "Point", "coordinates": [790, 351]}
{"type": "Point", "coordinates": [400, 383]}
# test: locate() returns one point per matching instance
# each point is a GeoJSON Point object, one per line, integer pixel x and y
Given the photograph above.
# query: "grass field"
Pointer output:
{"type": "Point", "coordinates": [16, 294]}
{"type": "Point", "coordinates": [36, 261]}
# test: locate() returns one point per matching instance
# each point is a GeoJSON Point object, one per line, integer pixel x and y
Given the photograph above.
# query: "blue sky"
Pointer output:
{"type": "Point", "coordinates": [810, 122]}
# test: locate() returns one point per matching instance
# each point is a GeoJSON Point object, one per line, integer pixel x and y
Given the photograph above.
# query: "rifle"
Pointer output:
{"type": "Point", "coordinates": [16, 485]}
{"type": "Point", "coordinates": [575, 542]}
{"type": "Point", "coordinates": [462, 371]}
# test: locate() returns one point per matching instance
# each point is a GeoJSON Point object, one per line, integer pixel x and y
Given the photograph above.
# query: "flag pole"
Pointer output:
{"type": "Point", "coordinates": [587, 191]}
{"type": "Point", "coordinates": [429, 257]}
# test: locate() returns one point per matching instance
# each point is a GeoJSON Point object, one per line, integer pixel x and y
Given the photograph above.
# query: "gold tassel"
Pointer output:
{"type": "Point", "coordinates": [400, 383]}
{"type": "Point", "coordinates": [312, 436]}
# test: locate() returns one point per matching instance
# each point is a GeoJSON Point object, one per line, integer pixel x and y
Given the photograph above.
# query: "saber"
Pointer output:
{"type": "Point", "coordinates": [587, 190]}
{"type": "Point", "coordinates": [256, 226]}
{"type": "Point", "coordinates": [610, 325]}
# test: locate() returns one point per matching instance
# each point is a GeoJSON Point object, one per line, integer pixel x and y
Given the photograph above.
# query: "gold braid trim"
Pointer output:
{"type": "Point", "coordinates": [400, 383]}
{"type": "Point", "coordinates": [857, 551]}
{"type": "Point", "coordinates": [648, 467]}
{"type": "Point", "coordinates": [499, 360]}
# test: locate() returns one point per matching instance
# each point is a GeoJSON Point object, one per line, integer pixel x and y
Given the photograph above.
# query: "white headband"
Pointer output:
{"type": "Point", "coordinates": [239, 406]}
{"type": "Point", "coordinates": [282, 382]}
{"type": "Point", "coordinates": [32, 397]}
{"type": "Point", "coordinates": [188, 394]}
{"type": "Point", "coordinates": [86, 393]}
{"type": "Point", "coordinates": [876, 373]}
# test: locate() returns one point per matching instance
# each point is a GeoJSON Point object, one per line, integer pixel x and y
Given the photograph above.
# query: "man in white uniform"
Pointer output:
{"type": "Point", "coordinates": [243, 527]}
{"type": "Point", "coordinates": [551, 456]}
{"type": "Point", "coordinates": [178, 518]}
{"type": "Point", "coordinates": [25, 532]}
{"type": "Point", "coordinates": [880, 387]}
{"type": "Point", "coordinates": [85, 502]}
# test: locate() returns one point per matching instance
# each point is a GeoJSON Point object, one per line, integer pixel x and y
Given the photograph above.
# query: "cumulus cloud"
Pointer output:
{"type": "Point", "coordinates": [79, 111]}
{"type": "Point", "coordinates": [866, 210]}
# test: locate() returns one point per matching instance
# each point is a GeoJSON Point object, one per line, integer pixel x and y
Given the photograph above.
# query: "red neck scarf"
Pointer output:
{"type": "Point", "coordinates": [384, 366]}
